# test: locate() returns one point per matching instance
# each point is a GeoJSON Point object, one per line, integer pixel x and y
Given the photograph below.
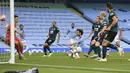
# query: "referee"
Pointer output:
{"type": "Point", "coordinates": [53, 31]}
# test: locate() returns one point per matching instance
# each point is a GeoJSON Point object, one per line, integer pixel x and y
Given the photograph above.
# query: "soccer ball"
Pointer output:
{"type": "Point", "coordinates": [72, 41]}
{"type": "Point", "coordinates": [2, 17]}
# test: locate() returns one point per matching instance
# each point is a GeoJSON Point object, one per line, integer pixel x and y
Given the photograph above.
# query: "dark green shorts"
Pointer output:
{"type": "Point", "coordinates": [110, 36]}
{"type": "Point", "coordinates": [49, 41]}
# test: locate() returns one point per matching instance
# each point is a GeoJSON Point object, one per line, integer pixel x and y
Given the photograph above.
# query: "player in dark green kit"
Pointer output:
{"type": "Point", "coordinates": [53, 31]}
{"type": "Point", "coordinates": [96, 27]}
{"type": "Point", "coordinates": [101, 33]}
{"type": "Point", "coordinates": [111, 30]}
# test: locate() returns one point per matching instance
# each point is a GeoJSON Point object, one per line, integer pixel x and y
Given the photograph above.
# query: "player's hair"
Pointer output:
{"type": "Point", "coordinates": [109, 5]}
{"type": "Point", "coordinates": [73, 23]}
{"type": "Point", "coordinates": [80, 30]}
{"type": "Point", "coordinates": [103, 13]}
{"type": "Point", "coordinates": [20, 25]}
{"type": "Point", "coordinates": [15, 16]}
{"type": "Point", "coordinates": [54, 21]}
{"type": "Point", "coordinates": [99, 17]}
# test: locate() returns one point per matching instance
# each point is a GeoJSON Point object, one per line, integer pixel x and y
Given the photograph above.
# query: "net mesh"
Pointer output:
{"type": "Point", "coordinates": [4, 49]}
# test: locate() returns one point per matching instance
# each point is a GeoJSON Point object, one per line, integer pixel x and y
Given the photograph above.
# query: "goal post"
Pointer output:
{"type": "Point", "coordinates": [7, 54]}
{"type": "Point", "coordinates": [12, 56]}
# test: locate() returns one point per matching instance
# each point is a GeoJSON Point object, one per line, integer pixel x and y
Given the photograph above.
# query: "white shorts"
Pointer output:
{"type": "Point", "coordinates": [116, 39]}
{"type": "Point", "coordinates": [24, 42]}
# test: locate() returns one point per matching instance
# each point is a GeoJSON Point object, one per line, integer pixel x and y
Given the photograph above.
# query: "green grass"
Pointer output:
{"type": "Point", "coordinates": [60, 63]}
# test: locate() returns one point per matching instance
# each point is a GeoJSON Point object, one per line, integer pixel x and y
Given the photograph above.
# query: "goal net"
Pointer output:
{"type": "Point", "coordinates": [6, 51]}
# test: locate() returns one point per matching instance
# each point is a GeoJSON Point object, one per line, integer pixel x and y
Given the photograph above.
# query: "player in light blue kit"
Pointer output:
{"type": "Point", "coordinates": [77, 45]}
{"type": "Point", "coordinates": [22, 38]}
{"type": "Point", "coordinates": [71, 33]}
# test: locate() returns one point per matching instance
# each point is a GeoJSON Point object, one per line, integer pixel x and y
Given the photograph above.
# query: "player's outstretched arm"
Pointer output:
{"type": "Point", "coordinates": [89, 34]}
{"type": "Point", "coordinates": [120, 36]}
{"type": "Point", "coordinates": [18, 32]}
{"type": "Point", "coordinates": [68, 31]}
{"type": "Point", "coordinates": [58, 37]}
{"type": "Point", "coordinates": [71, 44]}
{"type": "Point", "coordinates": [103, 30]}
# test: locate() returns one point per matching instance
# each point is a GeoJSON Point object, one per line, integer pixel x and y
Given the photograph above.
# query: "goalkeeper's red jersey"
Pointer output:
{"type": "Point", "coordinates": [8, 31]}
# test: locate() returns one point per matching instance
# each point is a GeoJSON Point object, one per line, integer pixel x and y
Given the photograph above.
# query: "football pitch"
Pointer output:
{"type": "Point", "coordinates": [60, 63]}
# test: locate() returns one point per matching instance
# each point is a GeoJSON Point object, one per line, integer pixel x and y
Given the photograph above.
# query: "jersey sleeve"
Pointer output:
{"type": "Point", "coordinates": [119, 25]}
{"type": "Point", "coordinates": [8, 27]}
{"type": "Point", "coordinates": [68, 31]}
{"type": "Point", "coordinates": [93, 27]}
{"type": "Point", "coordinates": [105, 23]}
{"type": "Point", "coordinates": [57, 30]}
{"type": "Point", "coordinates": [23, 32]}
{"type": "Point", "coordinates": [80, 40]}
{"type": "Point", "coordinates": [112, 14]}
{"type": "Point", "coordinates": [49, 31]}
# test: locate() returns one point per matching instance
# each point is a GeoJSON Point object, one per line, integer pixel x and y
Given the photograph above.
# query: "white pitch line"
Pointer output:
{"type": "Point", "coordinates": [73, 67]}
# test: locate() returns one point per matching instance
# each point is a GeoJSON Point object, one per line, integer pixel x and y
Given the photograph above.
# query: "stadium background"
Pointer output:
{"type": "Point", "coordinates": [37, 15]}
{"type": "Point", "coordinates": [37, 18]}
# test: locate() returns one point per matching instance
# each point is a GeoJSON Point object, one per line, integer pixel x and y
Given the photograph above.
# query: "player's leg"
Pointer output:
{"type": "Point", "coordinates": [104, 50]}
{"type": "Point", "coordinates": [98, 49]}
{"type": "Point", "coordinates": [120, 49]}
{"type": "Point", "coordinates": [108, 52]}
{"type": "Point", "coordinates": [75, 52]}
{"type": "Point", "coordinates": [50, 53]}
{"type": "Point", "coordinates": [69, 53]}
{"type": "Point", "coordinates": [118, 44]}
{"type": "Point", "coordinates": [98, 43]}
{"type": "Point", "coordinates": [19, 47]}
{"type": "Point", "coordinates": [45, 50]}
{"type": "Point", "coordinates": [90, 50]}
{"type": "Point", "coordinates": [46, 47]}
{"type": "Point", "coordinates": [115, 47]}
{"type": "Point", "coordinates": [105, 43]}
{"type": "Point", "coordinates": [19, 43]}
{"type": "Point", "coordinates": [92, 47]}
{"type": "Point", "coordinates": [78, 50]}
{"type": "Point", "coordinates": [117, 41]}
{"type": "Point", "coordinates": [77, 55]}
{"type": "Point", "coordinates": [26, 47]}
{"type": "Point", "coordinates": [16, 45]}
{"type": "Point", "coordinates": [109, 37]}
